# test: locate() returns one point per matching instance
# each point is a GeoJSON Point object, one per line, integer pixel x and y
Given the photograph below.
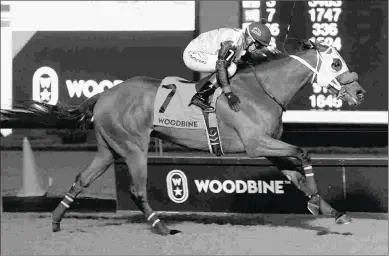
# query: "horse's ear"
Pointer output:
{"type": "Point", "coordinates": [306, 44]}
{"type": "Point", "coordinates": [312, 44]}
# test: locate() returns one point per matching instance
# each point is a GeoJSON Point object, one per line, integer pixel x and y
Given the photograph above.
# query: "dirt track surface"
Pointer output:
{"type": "Point", "coordinates": [217, 234]}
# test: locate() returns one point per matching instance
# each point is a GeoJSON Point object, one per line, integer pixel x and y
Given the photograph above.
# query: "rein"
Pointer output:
{"type": "Point", "coordinates": [333, 83]}
{"type": "Point", "coordinates": [255, 74]}
{"type": "Point", "coordinates": [332, 80]}
{"type": "Point", "coordinates": [267, 92]}
{"type": "Point", "coordinates": [289, 24]}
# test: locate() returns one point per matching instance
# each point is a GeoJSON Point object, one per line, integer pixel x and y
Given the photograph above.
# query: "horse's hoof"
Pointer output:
{"type": "Point", "coordinates": [161, 229]}
{"type": "Point", "coordinates": [313, 208]}
{"type": "Point", "coordinates": [174, 232]}
{"type": "Point", "coordinates": [343, 219]}
{"type": "Point", "coordinates": [56, 227]}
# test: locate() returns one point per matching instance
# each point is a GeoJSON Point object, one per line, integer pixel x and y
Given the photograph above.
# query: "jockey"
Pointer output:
{"type": "Point", "coordinates": [218, 51]}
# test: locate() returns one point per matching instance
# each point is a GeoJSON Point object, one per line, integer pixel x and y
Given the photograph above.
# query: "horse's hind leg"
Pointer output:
{"type": "Point", "coordinates": [136, 160]}
{"type": "Point", "coordinates": [100, 163]}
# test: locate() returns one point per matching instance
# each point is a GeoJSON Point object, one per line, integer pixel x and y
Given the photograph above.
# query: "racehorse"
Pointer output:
{"type": "Point", "coordinates": [123, 123]}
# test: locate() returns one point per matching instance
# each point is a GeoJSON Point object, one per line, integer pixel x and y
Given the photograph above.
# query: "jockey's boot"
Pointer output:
{"type": "Point", "coordinates": [201, 98]}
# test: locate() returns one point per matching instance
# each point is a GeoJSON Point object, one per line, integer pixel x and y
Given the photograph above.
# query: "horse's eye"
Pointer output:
{"type": "Point", "coordinates": [336, 64]}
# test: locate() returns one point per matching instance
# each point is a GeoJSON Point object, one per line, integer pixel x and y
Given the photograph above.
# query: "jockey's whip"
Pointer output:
{"type": "Point", "coordinates": [290, 23]}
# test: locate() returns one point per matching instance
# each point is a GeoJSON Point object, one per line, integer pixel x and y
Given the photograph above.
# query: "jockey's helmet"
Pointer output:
{"type": "Point", "coordinates": [259, 32]}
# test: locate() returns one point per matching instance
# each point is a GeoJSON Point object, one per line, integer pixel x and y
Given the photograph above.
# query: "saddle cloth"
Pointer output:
{"type": "Point", "coordinates": [171, 110]}
{"type": "Point", "coordinates": [174, 95]}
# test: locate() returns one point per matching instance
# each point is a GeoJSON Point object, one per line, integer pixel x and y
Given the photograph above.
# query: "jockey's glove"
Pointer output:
{"type": "Point", "coordinates": [233, 101]}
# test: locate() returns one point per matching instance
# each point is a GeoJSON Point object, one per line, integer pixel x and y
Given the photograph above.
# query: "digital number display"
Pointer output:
{"type": "Point", "coordinates": [324, 17]}
{"type": "Point", "coordinates": [357, 29]}
{"type": "Point", "coordinates": [273, 25]}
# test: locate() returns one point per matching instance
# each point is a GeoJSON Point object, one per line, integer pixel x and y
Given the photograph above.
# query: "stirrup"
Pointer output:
{"type": "Point", "coordinates": [199, 103]}
{"type": "Point", "coordinates": [209, 109]}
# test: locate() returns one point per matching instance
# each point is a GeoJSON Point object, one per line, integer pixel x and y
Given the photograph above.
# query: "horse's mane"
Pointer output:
{"type": "Point", "coordinates": [268, 55]}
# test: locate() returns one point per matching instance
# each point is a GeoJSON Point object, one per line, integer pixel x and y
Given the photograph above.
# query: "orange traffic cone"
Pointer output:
{"type": "Point", "coordinates": [32, 185]}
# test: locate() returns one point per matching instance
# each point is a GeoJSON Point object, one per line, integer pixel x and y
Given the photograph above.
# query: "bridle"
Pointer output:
{"type": "Point", "coordinates": [332, 81]}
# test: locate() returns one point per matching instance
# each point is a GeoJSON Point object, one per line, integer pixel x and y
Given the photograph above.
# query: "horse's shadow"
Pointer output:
{"type": "Point", "coordinates": [295, 221]}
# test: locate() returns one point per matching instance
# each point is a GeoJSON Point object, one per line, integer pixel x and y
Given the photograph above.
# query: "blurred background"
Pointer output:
{"type": "Point", "coordinates": [67, 51]}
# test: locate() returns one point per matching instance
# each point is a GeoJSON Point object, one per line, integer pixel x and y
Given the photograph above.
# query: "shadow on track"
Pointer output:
{"type": "Point", "coordinates": [300, 221]}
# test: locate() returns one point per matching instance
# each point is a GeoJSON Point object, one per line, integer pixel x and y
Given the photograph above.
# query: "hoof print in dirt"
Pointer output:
{"type": "Point", "coordinates": [174, 232]}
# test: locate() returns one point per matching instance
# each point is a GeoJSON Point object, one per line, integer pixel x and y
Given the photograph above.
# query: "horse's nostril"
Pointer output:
{"type": "Point", "coordinates": [360, 93]}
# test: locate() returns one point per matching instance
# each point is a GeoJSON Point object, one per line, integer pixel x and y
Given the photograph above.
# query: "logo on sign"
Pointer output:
{"type": "Point", "coordinates": [241, 186]}
{"type": "Point", "coordinates": [89, 88]}
{"type": "Point", "coordinates": [45, 85]}
{"type": "Point", "coordinates": [177, 186]}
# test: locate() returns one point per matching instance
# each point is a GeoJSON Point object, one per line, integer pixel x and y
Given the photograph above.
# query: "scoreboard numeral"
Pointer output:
{"type": "Point", "coordinates": [328, 15]}
{"type": "Point", "coordinates": [271, 12]}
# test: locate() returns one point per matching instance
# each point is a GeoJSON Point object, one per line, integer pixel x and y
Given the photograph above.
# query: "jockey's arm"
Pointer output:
{"type": "Point", "coordinates": [225, 57]}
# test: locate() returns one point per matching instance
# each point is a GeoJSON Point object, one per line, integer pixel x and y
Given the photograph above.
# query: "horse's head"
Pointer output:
{"type": "Point", "coordinates": [332, 72]}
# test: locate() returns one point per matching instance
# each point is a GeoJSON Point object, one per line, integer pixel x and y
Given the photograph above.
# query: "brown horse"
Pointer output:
{"type": "Point", "coordinates": [123, 123]}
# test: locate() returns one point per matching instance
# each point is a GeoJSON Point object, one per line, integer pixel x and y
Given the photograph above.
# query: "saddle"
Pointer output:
{"type": "Point", "coordinates": [171, 109]}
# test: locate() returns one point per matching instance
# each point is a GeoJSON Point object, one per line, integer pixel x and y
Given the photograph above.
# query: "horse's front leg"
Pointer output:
{"type": "Point", "coordinates": [270, 147]}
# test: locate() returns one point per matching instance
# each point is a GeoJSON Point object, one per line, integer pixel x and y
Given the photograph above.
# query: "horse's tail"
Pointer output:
{"type": "Point", "coordinates": [34, 114]}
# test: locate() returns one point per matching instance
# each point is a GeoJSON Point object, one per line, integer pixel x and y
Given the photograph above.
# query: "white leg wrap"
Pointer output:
{"type": "Point", "coordinates": [69, 198]}
{"type": "Point", "coordinates": [150, 216]}
{"type": "Point", "coordinates": [64, 204]}
{"type": "Point", "coordinates": [155, 222]}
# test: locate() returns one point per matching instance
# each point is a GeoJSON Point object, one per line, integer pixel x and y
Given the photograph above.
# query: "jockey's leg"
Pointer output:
{"type": "Point", "coordinates": [203, 62]}
{"type": "Point", "coordinates": [202, 97]}
{"type": "Point", "coordinates": [271, 148]}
